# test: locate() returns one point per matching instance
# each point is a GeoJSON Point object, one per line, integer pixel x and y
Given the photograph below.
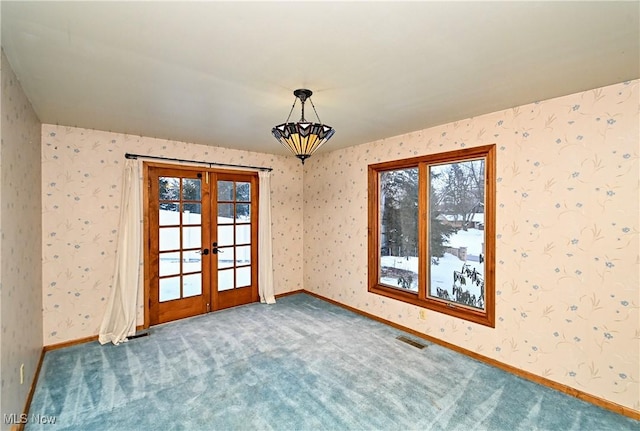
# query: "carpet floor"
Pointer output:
{"type": "Point", "coordinates": [301, 364]}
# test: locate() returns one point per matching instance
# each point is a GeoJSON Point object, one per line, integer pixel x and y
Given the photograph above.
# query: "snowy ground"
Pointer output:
{"type": "Point", "coordinates": [471, 238]}
{"type": "Point", "coordinates": [442, 273]}
{"type": "Point", "coordinates": [192, 283]}
{"type": "Point", "coordinates": [191, 259]}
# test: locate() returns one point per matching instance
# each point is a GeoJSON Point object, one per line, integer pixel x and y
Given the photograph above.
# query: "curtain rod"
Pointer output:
{"type": "Point", "coordinates": [135, 156]}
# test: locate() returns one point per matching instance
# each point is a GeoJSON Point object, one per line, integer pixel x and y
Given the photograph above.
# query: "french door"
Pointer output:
{"type": "Point", "coordinates": [202, 240]}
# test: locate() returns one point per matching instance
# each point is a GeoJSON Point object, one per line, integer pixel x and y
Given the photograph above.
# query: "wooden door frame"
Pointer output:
{"type": "Point", "coordinates": [146, 236]}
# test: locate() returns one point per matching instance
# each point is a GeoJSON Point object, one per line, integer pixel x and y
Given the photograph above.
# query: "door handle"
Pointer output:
{"type": "Point", "coordinates": [205, 251]}
{"type": "Point", "coordinates": [215, 250]}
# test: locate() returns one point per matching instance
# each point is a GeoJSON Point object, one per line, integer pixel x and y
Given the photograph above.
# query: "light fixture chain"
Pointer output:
{"type": "Point", "coordinates": [314, 110]}
{"type": "Point", "coordinates": [292, 106]}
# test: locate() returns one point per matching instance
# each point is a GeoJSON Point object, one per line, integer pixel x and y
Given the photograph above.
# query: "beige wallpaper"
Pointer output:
{"type": "Point", "coordinates": [567, 260]}
{"type": "Point", "coordinates": [81, 180]}
{"type": "Point", "coordinates": [567, 224]}
{"type": "Point", "coordinates": [20, 244]}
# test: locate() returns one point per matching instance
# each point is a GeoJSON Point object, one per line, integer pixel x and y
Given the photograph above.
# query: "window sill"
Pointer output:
{"type": "Point", "coordinates": [444, 307]}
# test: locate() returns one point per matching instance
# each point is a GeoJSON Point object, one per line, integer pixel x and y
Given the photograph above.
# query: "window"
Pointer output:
{"type": "Point", "coordinates": [432, 232]}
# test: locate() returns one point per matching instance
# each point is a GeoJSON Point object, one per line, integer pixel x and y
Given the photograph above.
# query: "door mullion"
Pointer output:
{"type": "Point", "coordinates": [207, 260]}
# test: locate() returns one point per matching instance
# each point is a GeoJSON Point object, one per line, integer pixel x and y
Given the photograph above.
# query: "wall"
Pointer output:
{"type": "Point", "coordinates": [20, 243]}
{"type": "Point", "coordinates": [81, 180]}
{"type": "Point", "coordinates": [2, 66]}
{"type": "Point", "coordinates": [567, 261]}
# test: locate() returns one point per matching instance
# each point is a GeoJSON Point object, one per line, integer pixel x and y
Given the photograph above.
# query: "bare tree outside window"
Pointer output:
{"type": "Point", "coordinates": [432, 232]}
{"type": "Point", "coordinates": [457, 197]}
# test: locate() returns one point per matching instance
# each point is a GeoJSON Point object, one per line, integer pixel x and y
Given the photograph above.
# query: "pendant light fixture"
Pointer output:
{"type": "Point", "coordinates": [304, 137]}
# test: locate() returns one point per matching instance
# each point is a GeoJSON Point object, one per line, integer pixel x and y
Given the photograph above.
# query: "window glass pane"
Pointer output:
{"type": "Point", "coordinates": [243, 276]}
{"type": "Point", "coordinates": [399, 229]}
{"type": "Point", "coordinates": [225, 257]}
{"type": "Point", "coordinates": [455, 228]}
{"type": "Point", "coordinates": [456, 232]}
{"type": "Point", "coordinates": [169, 264]}
{"type": "Point", "coordinates": [243, 255]}
{"type": "Point", "coordinates": [225, 279]}
{"type": "Point", "coordinates": [225, 213]}
{"type": "Point", "coordinates": [225, 235]}
{"type": "Point", "coordinates": [225, 191]}
{"type": "Point", "coordinates": [192, 214]}
{"type": "Point", "coordinates": [243, 192]}
{"type": "Point", "coordinates": [169, 238]}
{"type": "Point", "coordinates": [168, 214]}
{"type": "Point", "coordinates": [243, 213]}
{"type": "Point", "coordinates": [169, 188]}
{"type": "Point", "coordinates": [191, 237]}
{"type": "Point", "coordinates": [191, 261]}
{"type": "Point", "coordinates": [169, 289]}
{"type": "Point", "coordinates": [191, 285]}
{"type": "Point", "coordinates": [191, 189]}
{"type": "Point", "coordinates": [243, 234]}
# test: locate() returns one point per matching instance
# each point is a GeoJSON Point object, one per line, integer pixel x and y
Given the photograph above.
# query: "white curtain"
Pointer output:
{"type": "Point", "coordinates": [265, 249]}
{"type": "Point", "coordinates": [119, 321]}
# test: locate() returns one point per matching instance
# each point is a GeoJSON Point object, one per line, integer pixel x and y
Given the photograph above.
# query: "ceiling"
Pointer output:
{"type": "Point", "coordinates": [223, 73]}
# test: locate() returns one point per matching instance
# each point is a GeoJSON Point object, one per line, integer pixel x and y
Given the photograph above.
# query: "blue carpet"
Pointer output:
{"type": "Point", "coordinates": [301, 364]}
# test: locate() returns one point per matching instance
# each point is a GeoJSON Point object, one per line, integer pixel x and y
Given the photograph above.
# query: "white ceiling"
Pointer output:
{"type": "Point", "coordinates": [223, 73]}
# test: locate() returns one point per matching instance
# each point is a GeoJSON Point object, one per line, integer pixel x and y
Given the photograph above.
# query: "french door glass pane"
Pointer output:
{"type": "Point", "coordinates": [243, 234]}
{"type": "Point", "coordinates": [190, 189]}
{"type": "Point", "coordinates": [191, 214]}
{"type": "Point", "coordinates": [225, 257]}
{"type": "Point", "coordinates": [168, 214]}
{"type": "Point", "coordinates": [225, 191]}
{"type": "Point", "coordinates": [169, 264]}
{"type": "Point", "coordinates": [192, 261]}
{"type": "Point", "coordinates": [243, 192]}
{"type": "Point", "coordinates": [243, 276]}
{"type": "Point", "coordinates": [169, 288]}
{"type": "Point", "coordinates": [169, 238]}
{"type": "Point", "coordinates": [191, 285]}
{"type": "Point", "coordinates": [169, 188]}
{"type": "Point", "coordinates": [225, 279]}
{"type": "Point", "coordinates": [225, 213]}
{"type": "Point", "coordinates": [243, 255]}
{"type": "Point", "coordinates": [399, 229]}
{"type": "Point", "coordinates": [225, 235]}
{"type": "Point", "coordinates": [243, 213]}
{"type": "Point", "coordinates": [191, 237]}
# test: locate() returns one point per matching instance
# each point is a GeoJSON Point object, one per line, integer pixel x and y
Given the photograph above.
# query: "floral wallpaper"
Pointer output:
{"type": "Point", "coordinates": [81, 181]}
{"type": "Point", "coordinates": [20, 243]}
{"type": "Point", "coordinates": [567, 264]}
